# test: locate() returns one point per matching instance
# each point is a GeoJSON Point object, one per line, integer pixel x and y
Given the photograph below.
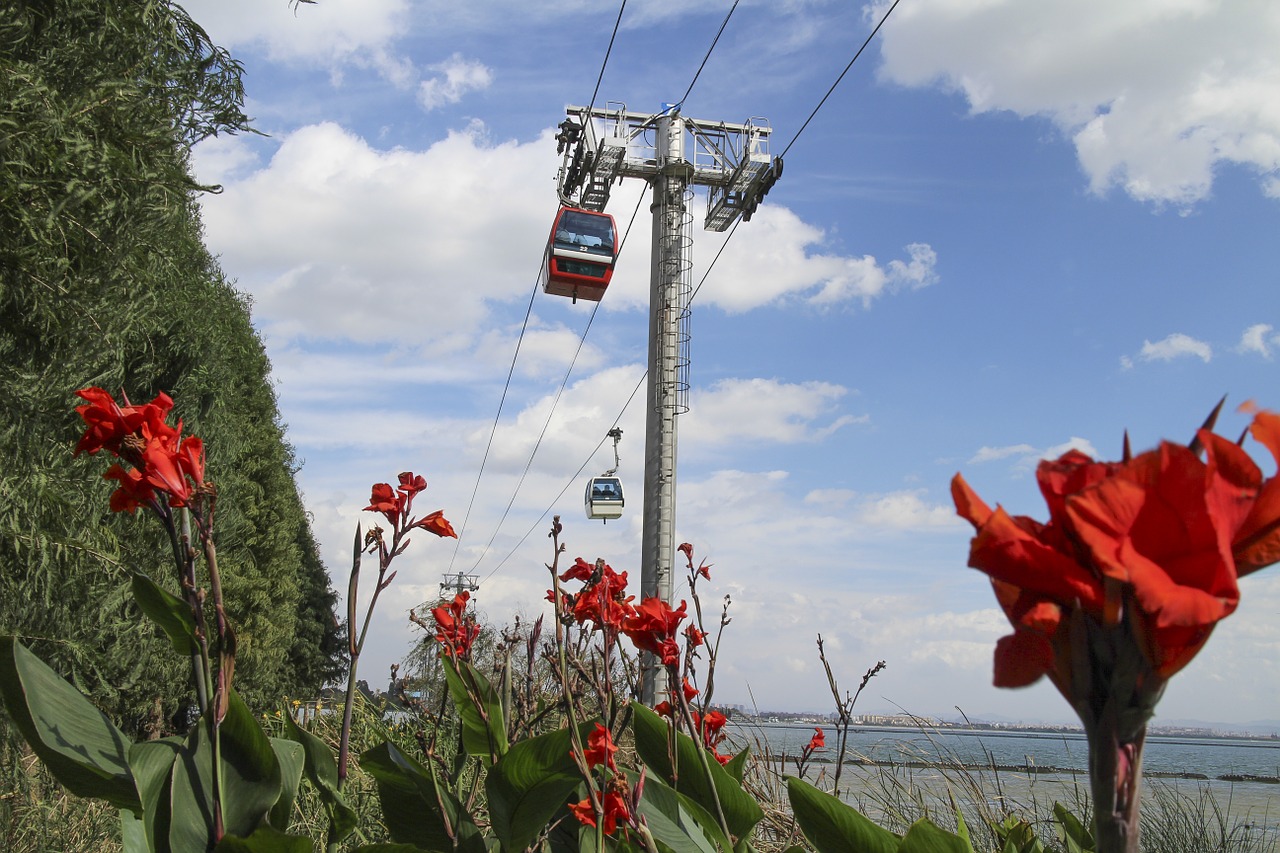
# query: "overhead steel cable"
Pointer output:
{"type": "Point", "coordinates": [494, 430]}
{"type": "Point", "coordinates": [841, 77]}
{"type": "Point", "coordinates": [573, 479]}
{"type": "Point", "coordinates": [607, 51]}
{"type": "Point", "coordinates": [528, 312]}
{"type": "Point", "coordinates": [714, 41]}
{"type": "Point", "coordinates": [723, 246]}
{"type": "Point", "coordinates": [559, 392]}
{"type": "Point", "coordinates": [537, 444]}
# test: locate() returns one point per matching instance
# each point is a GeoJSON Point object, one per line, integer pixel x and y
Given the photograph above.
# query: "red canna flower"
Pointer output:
{"type": "Point", "coordinates": [411, 483]}
{"type": "Point", "coordinates": [653, 629]}
{"type": "Point", "coordinates": [395, 504]}
{"type": "Point", "coordinates": [385, 500]}
{"type": "Point", "coordinates": [600, 748]}
{"type": "Point", "coordinates": [1257, 542]}
{"type": "Point", "coordinates": [133, 490]}
{"type": "Point", "coordinates": [615, 809]}
{"type": "Point", "coordinates": [583, 811]}
{"type": "Point", "coordinates": [191, 459]}
{"type": "Point", "coordinates": [163, 463]}
{"type": "Point", "coordinates": [581, 570]}
{"type": "Point", "coordinates": [695, 636]}
{"type": "Point", "coordinates": [108, 424]}
{"type": "Point", "coordinates": [456, 629]}
{"type": "Point", "coordinates": [1157, 531]}
{"type": "Point", "coordinates": [602, 602]}
{"type": "Point", "coordinates": [818, 741]}
{"type": "Point", "coordinates": [435, 523]}
{"type": "Point", "coordinates": [1123, 585]}
{"type": "Point", "coordinates": [164, 471]}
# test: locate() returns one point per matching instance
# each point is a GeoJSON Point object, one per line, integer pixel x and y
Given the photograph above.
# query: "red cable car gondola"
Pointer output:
{"type": "Point", "coordinates": [580, 254]}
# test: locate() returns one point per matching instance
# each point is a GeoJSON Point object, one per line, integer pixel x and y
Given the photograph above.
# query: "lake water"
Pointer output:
{"type": "Point", "coordinates": [1191, 757]}
{"type": "Point", "coordinates": [1238, 775]}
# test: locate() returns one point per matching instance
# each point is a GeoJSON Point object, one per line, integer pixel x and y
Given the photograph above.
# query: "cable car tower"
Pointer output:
{"type": "Point", "coordinates": [671, 153]}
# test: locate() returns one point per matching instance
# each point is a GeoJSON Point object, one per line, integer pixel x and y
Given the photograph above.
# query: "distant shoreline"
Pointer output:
{"type": "Point", "coordinates": [1036, 769]}
{"type": "Point", "coordinates": [1012, 729]}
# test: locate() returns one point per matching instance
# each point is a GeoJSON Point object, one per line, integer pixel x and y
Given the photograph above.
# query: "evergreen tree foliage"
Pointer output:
{"type": "Point", "coordinates": [104, 280]}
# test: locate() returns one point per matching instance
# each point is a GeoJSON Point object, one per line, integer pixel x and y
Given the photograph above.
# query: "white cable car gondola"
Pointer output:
{"type": "Point", "coordinates": [580, 254]}
{"type": "Point", "coordinates": [604, 499]}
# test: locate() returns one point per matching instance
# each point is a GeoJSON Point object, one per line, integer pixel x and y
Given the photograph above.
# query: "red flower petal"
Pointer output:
{"type": "Point", "coordinates": [1021, 658]}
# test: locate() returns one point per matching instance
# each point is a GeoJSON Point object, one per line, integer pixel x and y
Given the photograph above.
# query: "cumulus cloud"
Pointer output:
{"type": "Point", "coordinates": [779, 256]}
{"type": "Point", "coordinates": [905, 510]}
{"type": "Point", "coordinates": [1176, 345]}
{"type": "Point", "coordinates": [336, 239]}
{"type": "Point", "coordinates": [1074, 443]}
{"type": "Point", "coordinates": [764, 410]}
{"type": "Point", "coordinates": [1154, 95]}
{"type": "Point", "coordinates": [1259, 339]}
{"type": "Point", "coordinates": [329, 35]}
{"type": "Point", "coordinates": [456, 77]}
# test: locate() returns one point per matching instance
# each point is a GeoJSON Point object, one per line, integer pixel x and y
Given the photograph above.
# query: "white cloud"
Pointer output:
{"type": "Point", "coordinates": [1026, 457]}
{"type": "Point", "coordinates": [336, 239]}
{"type": "Point", "coordinates": [905, 510]}
{"type": "Point", "coordinates": [1154, 94]}
{"type": "Point", "coordinates": [763, 410]}
{"type": "Point", "coordinates": [1258, 339]}
{"type": "Point", "coordinates": [994, 454]}
{"type": "Point", "coordinates": [329, 34]}
{"type": "Point", "coordinates": [458, 77]}
{"type": "Point", "coordinates": [1176, 345]}
{"type": "Point", "coordinates": [1074, 443]}
{"type": "Point", "coordinates": [775, 258]}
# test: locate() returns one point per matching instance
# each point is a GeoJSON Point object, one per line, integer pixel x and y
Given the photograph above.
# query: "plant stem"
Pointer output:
{"type": "Point", "coordinates": [1115, 775]}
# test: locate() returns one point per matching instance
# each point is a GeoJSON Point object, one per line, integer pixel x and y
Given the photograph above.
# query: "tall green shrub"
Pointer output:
{"type": "Point", "coordinates": [104, 280]}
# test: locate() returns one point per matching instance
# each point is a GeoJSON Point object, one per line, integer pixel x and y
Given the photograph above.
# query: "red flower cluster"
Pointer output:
{"type": "Point", "coordinates": [166, 468]}
{"type": "Point", "coordinates": [615, 810]}
{"type": "Point", "coordinates": [600, 748]}
{"type": "Point", "coordinates": [599, 752]}
{"type": "Point", "coordinates": [603, 600]}
{"type": "Point", "coordinates": [456, 629]}
{"type": "Point", "coordinates": [1158, 539]}
{"type": "Point", "coordinates": [653, 629]}
{"type": "Point", "coordinates": [396, 503]}
{"type": "Point", "coordinates": [710, 725]}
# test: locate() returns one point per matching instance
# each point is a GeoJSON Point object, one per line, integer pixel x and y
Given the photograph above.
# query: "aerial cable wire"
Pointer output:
{"type": "Point", "coordinates": [714, 41]}
{"type": "Point", "coordinates": [607, 51]}
{"type": "Point", "coordinates": [710, 266]}
{"type": "Point", "coordinates": [494, 430]}
{"type": "Point", "coordinates": [573, 479]}
{"type": "Point", "coordinates": [528, 312]}
{"type": "Point", "coordinates": [559, 392]}
{"type": "Point", "coordinates": [841, 77]}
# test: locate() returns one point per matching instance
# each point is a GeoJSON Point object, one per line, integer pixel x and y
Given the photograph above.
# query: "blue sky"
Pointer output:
{"type": "Point", "coordinates": [1012, 229]}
